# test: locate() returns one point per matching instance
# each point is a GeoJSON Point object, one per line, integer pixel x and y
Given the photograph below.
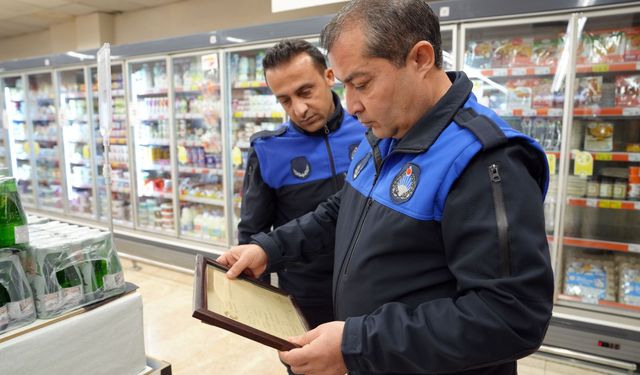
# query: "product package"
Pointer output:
{"type": "Point", "coordinates": [546, 51]}
{"type": "Point", "coordinates": [519, 94]}
{"type": "Point", "coordinates": [628, 90]}
{"type": "Point", "coordinates": [71, 266]}
{"type": "Point", "coordinates": [598, 136]}
{"type": "Point", "coordinates": [588, 91]}
{"type": "Point", "coordinates": [602, 46]}
{"type": "Point", "coordinates": [629, 279]}
{"type": "Point", "coordinates": [543, 97]}
{"type": "Point", "coordinates": [632, 48]}
{"type": "Point", "coordinates": [16, 301]}
{"type": "Point", "coordinates": [590, 277]}
{"type": "Point", "coordinates": [478, 54]}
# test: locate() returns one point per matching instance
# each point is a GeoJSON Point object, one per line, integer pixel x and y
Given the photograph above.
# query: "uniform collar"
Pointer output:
{"type": "Point", "coordinates": [424, 133]}
{"type": "Point", "coordinates": [333, 122]}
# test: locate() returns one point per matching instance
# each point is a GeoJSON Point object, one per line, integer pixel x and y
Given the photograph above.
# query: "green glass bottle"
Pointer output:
{"type": "Point", "coordinates": [14, 231]}
{"type": "Point", "coordinates": [4, 296]}
{"type": "Point", "coordinates": [5, 299]}
{"type": "Point", "coordinates": [68, 277]}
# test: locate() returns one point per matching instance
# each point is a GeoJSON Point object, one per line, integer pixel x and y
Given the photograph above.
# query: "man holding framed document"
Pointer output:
{"type": "Point", "coordinates": [441, 257]}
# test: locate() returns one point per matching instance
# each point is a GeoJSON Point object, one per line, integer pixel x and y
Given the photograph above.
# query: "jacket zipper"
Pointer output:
{"type": "Point", "coordinates": [331, 161]}
{"type": "Point", "coordinates": [345, 265]}
{"type": "Point", "coordinates": [501, 220]}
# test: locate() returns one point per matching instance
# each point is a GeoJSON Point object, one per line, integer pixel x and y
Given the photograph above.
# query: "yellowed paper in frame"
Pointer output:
{"type": "Point", "coordinates": [252, 305]}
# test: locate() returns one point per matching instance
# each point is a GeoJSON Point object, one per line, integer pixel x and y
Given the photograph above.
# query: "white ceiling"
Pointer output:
{"type": "Point", "coordinates": [26, 16]}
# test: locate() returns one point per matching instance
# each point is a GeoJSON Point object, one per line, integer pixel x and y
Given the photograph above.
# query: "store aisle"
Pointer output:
{"type": "Point", "coordinates": [171, 334]}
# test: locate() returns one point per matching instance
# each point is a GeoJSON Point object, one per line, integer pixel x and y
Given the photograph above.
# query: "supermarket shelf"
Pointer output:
{"type": "Point", "coordinates": [73, 95]}
{"type": "Point", "coordinates": [154, 118]}
{"type": "Point", "coordinates": [43, 119]}
{"type": "Point", "coordinates": [157, 195]}
{"type": "Point", "coordinates": [557, 112]}
{"type": "Point", "coordinates": [190, 143]}
{"type": "Point", "coordinates": [189, 116]}
{"type": "Point", "coordinates": [161, 168]}
{"type": "Point", "coordinates": [249, 84]}
{"type": "Point", "coordinates": [42, 140]}
{"type": "Point", "coordinates": [208, 201]}
{"type": "Point", "coordinates": [565, 297]}
{"type": "Point", "coordinates": [116, 141]}
{"type": "Point", "coordinates": [156, 142]}
{"type": "Point", "coordinates": [192, 90]}
{"type": "Point", "coordinates": [199, 170]}
{"type": "Point", "coordinates": [82, 187]}
{"type": "Point", "coordinates": [548, 70]}
{"type": "Point", "coordinates": [201, 237]}
{"type": "Point", "coordinates": [165, 231]}
{"type": "Point", "coordinates": [607, 156]}
{"type": "Point", "coordinates": [239, 173]}
{"type": "Point", "coordinates": [602, 245]}
{"type": "Point", "coordinates": [120, 190]}
{"type": "Point", "coordinates": [78, 140]}
{"type": "Point", "coordinates": [255, 114]}
{"type": "Point", "coordinates": [117, 92]}
{"type": "Point", "coordinates": [153, 92]}
{"type": "Point", "coordinates": [604, 203]}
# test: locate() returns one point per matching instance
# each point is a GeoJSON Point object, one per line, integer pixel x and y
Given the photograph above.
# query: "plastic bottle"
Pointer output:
{"type": "Point", "coordinates": [13, 221]}
{"type": "Point", "coordinates": [186, 220]}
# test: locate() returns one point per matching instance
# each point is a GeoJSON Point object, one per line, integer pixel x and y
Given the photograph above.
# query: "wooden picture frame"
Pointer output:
{"type": "Point", "coordinates": [246, 306]}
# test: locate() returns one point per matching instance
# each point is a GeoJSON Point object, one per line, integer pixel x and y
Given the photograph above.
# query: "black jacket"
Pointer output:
{"type": "Point", "coordinates": [441, 257]}
{"type": "Point", "coordinates": [289, 172]}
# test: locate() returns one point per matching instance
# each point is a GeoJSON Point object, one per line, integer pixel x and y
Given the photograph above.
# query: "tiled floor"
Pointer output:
{"type": "Point", "coordinates": [171, 334]}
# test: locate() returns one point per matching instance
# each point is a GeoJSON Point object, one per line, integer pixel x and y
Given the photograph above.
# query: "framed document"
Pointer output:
{"type": "Point", "coordinates": [245, 306]}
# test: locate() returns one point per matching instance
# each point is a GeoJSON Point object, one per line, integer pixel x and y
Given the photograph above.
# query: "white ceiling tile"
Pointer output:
{"type": "Point", "coordinates": [47, 3]}
{"type": "Point", "coordinates": [17, 28]}
{"type": "Point", "coordinates": [113, 5]}
{"type": "Point", "coordinates": [153, 3]}
{"type": "Point", "coordinates": [12, 8]}
{"type": "Point", "coordinates": [75, 9]}
{"type": "Point", "coordinates": [35, 20]}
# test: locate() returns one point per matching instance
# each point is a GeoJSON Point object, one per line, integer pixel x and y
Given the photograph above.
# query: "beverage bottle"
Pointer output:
{"type": "Point", "coordinates": [14, 231]}
{"type": "Point", "coordinates": [5, 299]}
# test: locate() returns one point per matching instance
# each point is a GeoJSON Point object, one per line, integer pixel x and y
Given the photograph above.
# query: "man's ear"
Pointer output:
{"type": "Point", "coordinates": [422, 56]}
{"type": "Point", "coordinates": [329, 76]}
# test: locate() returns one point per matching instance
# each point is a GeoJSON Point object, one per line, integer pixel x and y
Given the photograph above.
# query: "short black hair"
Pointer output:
{"type": "Point", "coordinates": [285, 50]}
{"type": "Point", "coordinates": [391, 27]}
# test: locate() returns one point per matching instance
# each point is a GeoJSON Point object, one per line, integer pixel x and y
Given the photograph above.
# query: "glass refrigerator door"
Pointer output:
{"type": "Point", "coordinates": [600, 264]}
{"type": "Point", "coordinates": [77, 138]}
{"type": "Point", "coordinates": [513, 69]}
{"type": "Point", "coordinates": [150, 117]}
{"type": "Point", "coordinates": [16, 118]}
{"type": "Point", "coordinates": [253, 108]}
{"type": "Point", "coordinates": [118, 151]}
{"type": "Point", "coordinates": [197, 110]}
{"type": "Point", "coordinates": [45, 148]}
{"type": "Point", "coordinates": [448, 42]}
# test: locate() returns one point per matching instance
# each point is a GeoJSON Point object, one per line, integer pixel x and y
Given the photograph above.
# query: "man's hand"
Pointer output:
{"type": "Point", "coordinates": [320, 353]}
{"type": "Point", "coordinates": [250, 259]}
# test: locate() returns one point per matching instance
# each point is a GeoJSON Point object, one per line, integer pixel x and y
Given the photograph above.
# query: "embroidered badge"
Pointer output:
{"type": "Point", "coordinates": [361, 164]}
{"type": "Point", "coordinates": [405, 183]}
{"type": "Point", "coordinates": [300, 167]}
{"type": "Point", "coordinates": [352, 150]}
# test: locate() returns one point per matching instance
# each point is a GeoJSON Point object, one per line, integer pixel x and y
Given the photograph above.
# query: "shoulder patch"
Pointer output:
{"type": "Point", "coordinates": [300, 167]}
{"type": "Point", "coordinates": [488, 132]}
{"type": "Point", "coordinates": [268, 133]}
{"type": "Point", "coordinates": [405, 183]}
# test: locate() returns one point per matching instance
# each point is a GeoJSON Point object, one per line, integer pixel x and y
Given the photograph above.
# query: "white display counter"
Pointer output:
{"type": "Point", "coordinates": [104, 338]}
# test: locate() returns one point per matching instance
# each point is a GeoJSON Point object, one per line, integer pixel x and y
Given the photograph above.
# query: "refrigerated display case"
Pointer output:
{"type": "Point", "coordinates": [18, 136]}
{"type": "Point", "coordinates": [449, 34]}
{"type": "Point", "coordinates": [150, 114]}
{"type": "Point", "coordinates": [118, 151]}
{"type": "Point", "coordinates": [512, 65]}
{"type": "Point", "coordinates": [45, 142]}
{"type": "Point", "coordinates": [77, 136]}
{"type": "Point", "coordinates": [197, 119]}
{"type": "Point", "coordinates": [599, 262]}
{"type": "Point", "coordinates": [253, 108]}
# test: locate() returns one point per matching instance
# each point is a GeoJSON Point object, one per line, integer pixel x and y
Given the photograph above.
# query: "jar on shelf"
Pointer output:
{"type": "Point", "coordinates": [620, 189]}
{"type": "Point", "coordinates": [606, 187]}
{"type": "Point", "coordinates": [593, 187]}
{"type": "Point", "coordinates": [633, 188]}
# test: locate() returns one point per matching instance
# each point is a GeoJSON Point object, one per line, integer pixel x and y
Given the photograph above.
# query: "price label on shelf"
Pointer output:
{"type": "Point", "coordinates": [600, 68]}
{"type": "Point", "coordinates": [555, 112]}
{"type": "Point", "coordinates": [604, 204]}
{"type": "Point", "coordinates": [591, 202]}
{"type": "Point", "coordinates": [5, 120]}
{"type": "Point", "coordinates": [632, 111]}
{"type": "Point", "coordinates": [529, 112]}
{"type": "Point", "coordinates": [551, 159]}
{"type": "Point", "coordinates": [637, 206]}
{"type": "Point", "coordinates": [500, 72]}
{"type": "Point", "coordinates": [615, 204]}
{"type": "Point", "coordinates": [542, 70]}
{"type": "Point", "coordinates": [583, 165]}
{"type": "Point", "coordinates": [604, 156]}
{"type": "Point", "coordinates": [519, 71]}
{"type": "Point", "coordinates": [634, 156]}
{"type": "Point", "coordinates": [634, 248]}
